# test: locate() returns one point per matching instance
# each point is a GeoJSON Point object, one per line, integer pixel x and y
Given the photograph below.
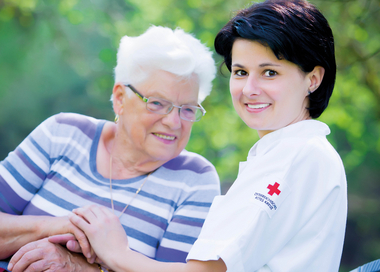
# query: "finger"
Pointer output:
{"type": "Point", "coordinates": [104, 212]}
{"type": "Point", "coordinates": [73, 246]}
{"type": "Point", "coordinates": [20, 253]}
{"type": "Point", "coordinates": [82, 238]}
{"type": "Point", "coordinates": [86, 212]}
{"type": "Point", "coordinates": [26, 260]}
{"type": "Point", "coordinates": [93, 257]}
{"type": "Point", "coordinates": [40, 265]}
{"type": "Point", "coordinates": [61, 239]}
{"type": "Point", "coordinates": [79, 222]}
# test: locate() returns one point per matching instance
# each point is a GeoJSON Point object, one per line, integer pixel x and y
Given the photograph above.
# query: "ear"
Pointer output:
{"type": "Point", "coordinates": [118, 95]}
{"type": "Point", "coordinates": [316, 77]}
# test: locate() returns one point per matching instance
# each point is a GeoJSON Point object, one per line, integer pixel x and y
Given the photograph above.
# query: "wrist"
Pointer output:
{"type": "Point", "coordinates": [43, 226]}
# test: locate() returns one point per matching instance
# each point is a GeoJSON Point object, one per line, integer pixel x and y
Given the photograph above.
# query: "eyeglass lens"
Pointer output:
{"type": "Point", "coordinates": [162, 106]}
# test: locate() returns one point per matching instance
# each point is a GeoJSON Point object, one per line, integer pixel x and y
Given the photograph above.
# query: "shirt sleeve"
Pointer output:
{"type": "Point", "coordinates": [188, 217]}
{"type": "Point", "coordinates": [23, 171]}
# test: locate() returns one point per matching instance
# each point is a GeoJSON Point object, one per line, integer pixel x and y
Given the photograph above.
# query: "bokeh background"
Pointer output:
{"type": "Point", "coordinates": [58, 56]}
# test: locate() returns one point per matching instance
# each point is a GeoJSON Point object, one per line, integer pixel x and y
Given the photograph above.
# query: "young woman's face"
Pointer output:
{"type": "Point", "coordinates": [267, 93]}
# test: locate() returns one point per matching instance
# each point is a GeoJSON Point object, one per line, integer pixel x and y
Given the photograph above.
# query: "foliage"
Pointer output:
{"type": "Point", "coordinates": [59, 56]}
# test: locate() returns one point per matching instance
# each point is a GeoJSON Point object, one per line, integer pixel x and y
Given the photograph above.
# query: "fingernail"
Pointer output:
{"type": "Point", "coordinates": [10, 266]}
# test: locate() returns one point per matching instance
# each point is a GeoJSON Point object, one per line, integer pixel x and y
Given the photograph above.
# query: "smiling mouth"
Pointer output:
{"type": "Point", "coordinates": [258, 106]}
{"type": "Point", "coordinates": [165, 137]}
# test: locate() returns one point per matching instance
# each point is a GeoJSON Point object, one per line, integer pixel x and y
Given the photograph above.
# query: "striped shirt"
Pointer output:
{"type": "Point", "coordinates": [53, 171]}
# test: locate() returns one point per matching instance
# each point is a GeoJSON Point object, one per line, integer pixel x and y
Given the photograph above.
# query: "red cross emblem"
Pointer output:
{"type": "Point", "coordinates": [273, 189]}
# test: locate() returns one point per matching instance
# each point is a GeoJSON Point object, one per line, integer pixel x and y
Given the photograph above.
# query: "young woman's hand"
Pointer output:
{"type": "Point", "coordinates": [104, 231]}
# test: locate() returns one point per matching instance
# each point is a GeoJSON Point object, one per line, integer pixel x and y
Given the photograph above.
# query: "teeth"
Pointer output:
{"type": "Point", "coordinates": [258, 106]}
{"type": "Point", "coordinates": [165, 137]}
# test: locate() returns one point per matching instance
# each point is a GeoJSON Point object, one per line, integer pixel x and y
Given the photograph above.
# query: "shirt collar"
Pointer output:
{"type": "Point", "coordinates": [302, 129]}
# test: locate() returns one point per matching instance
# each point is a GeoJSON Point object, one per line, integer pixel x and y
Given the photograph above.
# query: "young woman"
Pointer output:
{"type": "Point", "coordinates": [287, 209]}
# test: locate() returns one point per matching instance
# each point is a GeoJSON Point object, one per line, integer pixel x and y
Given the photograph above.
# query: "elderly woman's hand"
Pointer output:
{"type": "Point", "coordinates": [42, 255]}
{"type": "Point", "coordinates": [72, 244]}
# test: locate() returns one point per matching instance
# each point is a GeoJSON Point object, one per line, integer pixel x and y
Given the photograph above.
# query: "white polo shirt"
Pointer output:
{"type": "Point", "coordinates": [287, 209]}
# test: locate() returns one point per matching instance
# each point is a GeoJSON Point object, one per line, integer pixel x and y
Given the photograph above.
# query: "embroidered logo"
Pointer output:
{"type": "Point", "coordinates": [273, 189]}
{"type": "Point", "coordinates": [269, 194]}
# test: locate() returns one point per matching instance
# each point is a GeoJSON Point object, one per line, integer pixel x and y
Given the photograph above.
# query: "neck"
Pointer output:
{"type": "Point", "coordinates": [126, 162]}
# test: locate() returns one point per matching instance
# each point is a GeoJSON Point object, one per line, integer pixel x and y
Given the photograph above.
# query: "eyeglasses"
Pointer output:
{"type": "Point", "coordinates": [162, 106]}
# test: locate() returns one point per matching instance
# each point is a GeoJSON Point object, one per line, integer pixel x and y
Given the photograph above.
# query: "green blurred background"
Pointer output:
{"type": "Point", "coordinates": [58, 56]}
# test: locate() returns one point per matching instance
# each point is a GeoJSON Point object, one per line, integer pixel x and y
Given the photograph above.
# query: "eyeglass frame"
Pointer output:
{"type": "Point", "coordinates": [146, 100]}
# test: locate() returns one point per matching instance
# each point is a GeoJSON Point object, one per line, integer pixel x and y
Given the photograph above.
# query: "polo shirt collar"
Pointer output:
{"type": "Point", "coordinates": [305, 128]}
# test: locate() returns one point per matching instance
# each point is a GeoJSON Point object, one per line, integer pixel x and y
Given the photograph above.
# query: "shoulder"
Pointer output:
{"type": "Point", "coordinates": [305, 141]}
{"type": "Point", "coordinates": [316, 151]}
{"type": "Point", "coordinates": [312, 161]}
{"type": "Point", "coordinates": [191, 161]}
{"type": "Point", "coordinates": [193, 170]}
{"type": "Point", "coordinates": [69, 123]}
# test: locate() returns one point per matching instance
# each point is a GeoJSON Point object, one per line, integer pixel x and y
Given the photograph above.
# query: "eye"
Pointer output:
{"type": "Point", "coordinates": [240, 73]}
{"type": "Point", "coordinates": [188, 109]}
{"type": "Point", "coordinates": [189, 112]}
{"type": "Point", "coordinates": [156, 103]}
{"type": "Point", "coordinates": [270, 73]}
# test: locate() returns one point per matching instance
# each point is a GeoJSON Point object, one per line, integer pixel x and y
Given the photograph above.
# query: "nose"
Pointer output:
{"type": "Point", "coordinates": [251, 87]}
{"type": "Point", "coordinates": [172, 119]}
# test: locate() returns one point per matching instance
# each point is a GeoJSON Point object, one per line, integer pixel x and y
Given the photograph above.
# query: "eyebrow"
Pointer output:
{"type": "Point", "coordinates": [158, 95]}
{"type": "Point", "coordinates": [260, 65]}
{"type": "Point", "coordinates": [269, 64]}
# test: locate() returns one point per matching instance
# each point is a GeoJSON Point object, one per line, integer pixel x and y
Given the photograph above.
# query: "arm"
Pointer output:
{"type": "Point", "coordinates": [131, 261]}
{"type": "Point", "coordinates": [110, 243]}
{"type": "Point", "coordinates": [17, 231]}
{"type": "Point", "coordinates": [22, 175]}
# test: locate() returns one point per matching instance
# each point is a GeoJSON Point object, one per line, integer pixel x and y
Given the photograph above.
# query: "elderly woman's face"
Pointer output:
{"type": "Point", "coordinates": [159, 137]}
{"type": "Point", "coordinates": [267, 93]}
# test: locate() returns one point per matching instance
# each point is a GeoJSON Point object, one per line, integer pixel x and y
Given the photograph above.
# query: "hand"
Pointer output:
{"type": "Point", "coordinates": [71, 244]}
{"type": "Point", "coordinates": [104, 231]}
{"type": "Point", "coordinates": [62, 225]}
{"type": "Point", "coordinates": [42, 255]}
{"type": "Point", "coordinates": [67, 240]}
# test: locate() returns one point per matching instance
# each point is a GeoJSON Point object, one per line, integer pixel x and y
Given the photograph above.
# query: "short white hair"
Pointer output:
{"type": "Point", "coordinates": [161, 48]}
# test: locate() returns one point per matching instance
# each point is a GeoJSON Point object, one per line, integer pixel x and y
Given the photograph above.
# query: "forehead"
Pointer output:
{"type": "Point", "coordinates": [247, 53]}
{"type": "Point", "coordinates": [170, 86]}
{"type": "Point", "coordinates": [243, 49]}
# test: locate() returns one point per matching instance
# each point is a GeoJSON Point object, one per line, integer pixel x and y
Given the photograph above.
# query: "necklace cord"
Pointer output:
{"type": "Point", "coordinates": [137, 191]}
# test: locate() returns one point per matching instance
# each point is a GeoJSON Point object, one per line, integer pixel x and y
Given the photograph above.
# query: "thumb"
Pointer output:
{"type": "Point", "coordinates": [73, 246]}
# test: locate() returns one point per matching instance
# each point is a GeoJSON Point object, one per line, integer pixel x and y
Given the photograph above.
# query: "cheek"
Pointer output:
{"type": "Point", "coordinates": [278, 96]}
{"type": "Point", "coordinates": [186, 131]}
{"type": "Point", "coordinates": [235, 90]}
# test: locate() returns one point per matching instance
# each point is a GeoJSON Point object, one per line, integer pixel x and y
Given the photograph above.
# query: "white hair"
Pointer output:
{"type": "Point", "coordinates": [161, 48]}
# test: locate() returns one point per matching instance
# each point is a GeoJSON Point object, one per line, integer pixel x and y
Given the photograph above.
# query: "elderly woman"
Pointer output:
{"type": "Point", "coordinates": [286, 212]}
{"type": "Point", "coordinates": [136, 166]}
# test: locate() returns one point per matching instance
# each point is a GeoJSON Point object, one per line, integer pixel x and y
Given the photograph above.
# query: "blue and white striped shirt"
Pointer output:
{"type": "Point", "coordinates": [53, 171]}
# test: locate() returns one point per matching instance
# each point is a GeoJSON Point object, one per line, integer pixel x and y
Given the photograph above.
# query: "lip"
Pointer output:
{"type": "Point", "coordinates": [164, 137]}
{"type": "Point", "coordinates": [257, 107]}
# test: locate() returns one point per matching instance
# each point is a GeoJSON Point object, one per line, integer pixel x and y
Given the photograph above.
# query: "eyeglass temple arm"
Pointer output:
{"type": "Point", "coordinates": [202, 108]}
{"type": "Point", "coordinates": [143, 98]}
